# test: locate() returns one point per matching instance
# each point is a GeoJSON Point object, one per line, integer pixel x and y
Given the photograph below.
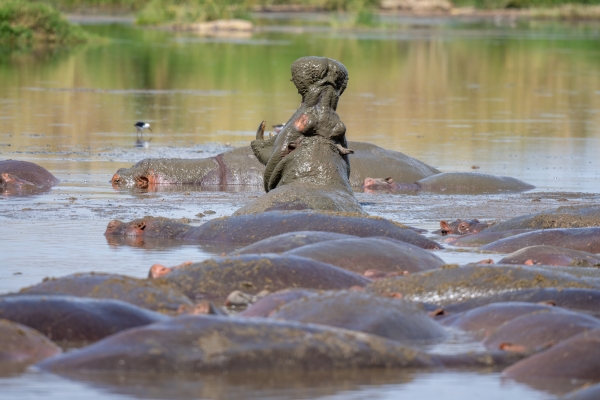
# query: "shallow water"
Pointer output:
{"type": "Point", "coordinates": [522, 101]}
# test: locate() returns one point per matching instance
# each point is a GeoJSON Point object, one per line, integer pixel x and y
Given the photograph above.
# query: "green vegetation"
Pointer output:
{"type": "Point", "coordinates": [24, 23]}
{"type": "Point", "coordinates": [189, 11]}
{"type": "Point", "coordinates": [502, 4]}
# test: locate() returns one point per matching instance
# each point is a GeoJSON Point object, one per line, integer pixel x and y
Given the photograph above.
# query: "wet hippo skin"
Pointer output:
{"type": "Point", "coordinates": [247, 229]}
{"type": "Point", "coordinates": [75, 320]}
{"type": "Point", "coordinates": [23, 177]}
{"type": "Point", "coordinates": [22, 346]}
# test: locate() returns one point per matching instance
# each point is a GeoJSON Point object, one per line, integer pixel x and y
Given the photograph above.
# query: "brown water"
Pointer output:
{"type": "Point", "coordinates": [521, 100]}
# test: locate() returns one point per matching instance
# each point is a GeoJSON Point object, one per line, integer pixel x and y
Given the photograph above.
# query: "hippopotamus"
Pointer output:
{"type": "Point", "coordinates": [23, 177]}
{"type": "Point", "coordinates": [585, 393]}
{"type": "Point", "coordinates": [267, 305]}
{"type": "Point", "coordinates": [583, 239]}
{"type": "Point", "coordinates": [577, 357]}
{"type": "Point", "coordinates": [75, 321]}
{"type": "Point", "coordinates": [452, 183]}
{"type": "Point", "coordinates": [235, 167]}
{"type": "Point", "coordinates": [214, 279]}
{"type": "Point", "coordinates": [362, 254]}
{"type": "Point", "coordinates": [482, 321]}
{"type": "Point", "coordinates": [539, 330]}
{"type": "Point", "coordinates": [289, 241]}
{"type": "Point", "coordinates": [22, 346]}
{"type": "Point", "coordinates": [581, 216]}
{"type": "Point", "coordinates": [395, 319]}
{"type": "Point", "coordinates": [306, 164]}
{"type": "Point", "coordinates": [143, 293]}
{"type": "Point", "coordinates": [461, 227]}
{"type": "Point", "coordinates": [451, 284]}
{"type": "Point", "coordinates": [482, 238]}
{"type": "Point", "coordinates": [248, 229]}
{"type": "Point", "coordinates": [576, 299]}
{"type": "Point", "coordinates": [202, 344]}
{"type": "Point", "coordinates": [551, 255]}
{"type": "Point", "coordinates": [241, 167]}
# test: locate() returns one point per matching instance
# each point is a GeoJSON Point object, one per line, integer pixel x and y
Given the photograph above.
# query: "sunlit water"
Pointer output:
{"type": "Point", "coordinates": [521, 100]}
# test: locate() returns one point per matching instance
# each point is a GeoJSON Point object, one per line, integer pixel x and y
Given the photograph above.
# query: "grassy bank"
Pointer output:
{"type": "Point", "coordinates": [24, 23]}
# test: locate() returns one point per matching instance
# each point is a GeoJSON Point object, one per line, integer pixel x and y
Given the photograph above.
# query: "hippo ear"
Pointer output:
{"type": "Point", "coordinates": [389, 179]}
{"type": "Point", "coordinates": [140, 225]}
{"type": "Point", "coordinates": [445, 228]}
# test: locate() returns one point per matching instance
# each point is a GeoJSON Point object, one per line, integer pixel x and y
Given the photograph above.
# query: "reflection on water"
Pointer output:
{"type": "Point", "coordinates": [460, 95]}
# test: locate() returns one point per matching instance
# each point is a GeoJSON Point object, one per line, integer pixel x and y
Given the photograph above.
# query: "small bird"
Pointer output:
{"type": "Point", "coordinates": [140, 126]}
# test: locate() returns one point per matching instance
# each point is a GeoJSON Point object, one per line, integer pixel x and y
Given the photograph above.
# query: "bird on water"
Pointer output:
{"type": "Point", "coordinates": [140, 126]}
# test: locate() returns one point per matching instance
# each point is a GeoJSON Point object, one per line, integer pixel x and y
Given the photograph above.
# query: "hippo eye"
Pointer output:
{"type": "Point", "coordinates": [464, 227]}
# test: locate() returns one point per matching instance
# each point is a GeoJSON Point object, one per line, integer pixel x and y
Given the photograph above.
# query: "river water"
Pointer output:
{"type": "Point", "coordinates": [502, 97]}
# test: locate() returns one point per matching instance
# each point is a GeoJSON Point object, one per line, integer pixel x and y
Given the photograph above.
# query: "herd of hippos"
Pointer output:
{"type": "Point", "coordinates": [320, 284]}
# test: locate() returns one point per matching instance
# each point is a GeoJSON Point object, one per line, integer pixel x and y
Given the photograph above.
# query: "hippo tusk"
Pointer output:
{"type": "Point", "coordinates": [343, 150]}
{"type": "Point", "coordinates": [260, 132]}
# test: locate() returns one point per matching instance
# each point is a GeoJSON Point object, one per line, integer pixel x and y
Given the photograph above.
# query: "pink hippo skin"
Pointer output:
{"type": "Point", "coordinates": [22, 177]}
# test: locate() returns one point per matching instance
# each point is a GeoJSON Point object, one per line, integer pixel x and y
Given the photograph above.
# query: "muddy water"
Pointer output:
{"type": "Point", "coordinates": [521, 100]}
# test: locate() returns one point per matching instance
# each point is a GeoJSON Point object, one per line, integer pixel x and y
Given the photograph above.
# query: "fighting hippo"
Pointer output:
{"type": "Point", "coordinates": [375, 253]}
{"type": "Point", "coordinates": [306, 164]}
{"type": "Point", "coordinates": [199, 344]}
{"type": "Point", "coordinates": [576, 299]}
{"type": "Point", "coordinates": [551, 255]}
{"type": "Point", "coordinates": [214, 279]}
{"type": "Point", "coordinates": [461, 227]}
{"type": "Point", "coordinates": [248, 229]}
{"type": "Point", "coordinates": [23, 177]}
{"type": "Point", "coordinates": [75, 321]}
{"type": "Point", "coordinates": [452, 284]}
{"type": "Point", "coordinates": [577, 357]}
{"type": "Point", "coordinates": [394, 319]}
{"type": "Point", "coordinates": [22, 346]}
{"type": "Point", "coordinates": [140, 292]}
{"type": "Point", "coordinates": [289, 241]}
{"type": "Point", "coordinates": [539, 330]}
{"type": "Point", "coordinates": [562, 217]}
{"type": "Point", "coordinates": [484, 320]}
{"type": "Point", "coordinates": [452, 183]}
{"type": "Point", "coordinates": [583, 239]}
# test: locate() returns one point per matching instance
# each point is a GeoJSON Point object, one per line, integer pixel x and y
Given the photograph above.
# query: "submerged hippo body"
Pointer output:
{"type": "Point", "coordinates": [22, 346]}
{"type": "Point", "coordinates": [75, 320]}
{"type": "Point", "coordinates": [484, 320]}
{"type": "Point", "coordinates": [450, 285]}
{"type": "Point", "coordinates": [482, 238]}
{"type": "Point", "coordinates": [248, 229]}
{"type": "Point", "coordinates": [140, 292]}
{"type": "Point", "coordinates": [539, 330]}
{"type": "Point", "coordinates": [453, 183]}
{"type": "Point", "coordinates": [362, 254]}
{"type": "Point", "coordinates": [563, 217]}
{"type": "Point", "coordinates": [394, 319]}
{"type": "Point", "coordinates": [576, 299]}
{"type": "Point", "coordinates": [23, 177]}
{"type": "Point", "coordinates": [252, 273]}
{"type": "Point", "coordinates": [551, 255]}
{"type": "Point", "coordinates": [583, 239]}
{"type": "Point", "coordinates": [575, 358]}
{"type": "Point", "coordinates": [209, 343]}
{"type": "Point", "coordinates": [289, 241]}
{"type": "Point", "coordinates": [235, 167]}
